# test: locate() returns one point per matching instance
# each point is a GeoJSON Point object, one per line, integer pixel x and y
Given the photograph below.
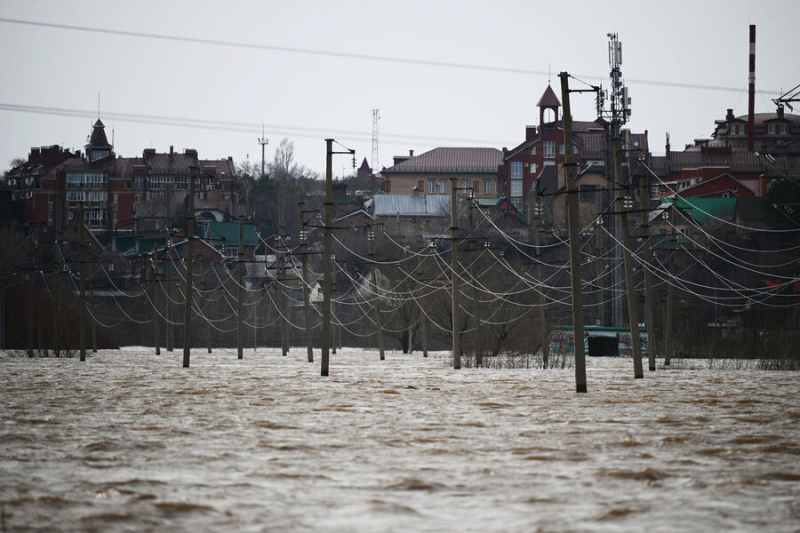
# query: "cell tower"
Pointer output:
{"type": "Point", "coordinates": [376, 115]}
{"type": "Point", "coordinates": [263, 141]}
{"type": "Point", "coordinates": [619, 102]}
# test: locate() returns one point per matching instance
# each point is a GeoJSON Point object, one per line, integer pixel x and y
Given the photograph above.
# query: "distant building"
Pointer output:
{"type": "Point", "coordinates": [119, 194]}
{"type": "Point", "coordinates": [430, 173]}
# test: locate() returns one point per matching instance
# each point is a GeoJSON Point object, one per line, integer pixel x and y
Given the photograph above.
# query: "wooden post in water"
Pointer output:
{"type": "Point", "coordinates": [376, 295]}
{"type": "Point", "coordinates": [306, 295]}
{"type": "Point", "coordinates": [187, 310]}
{"type": "Point", "coordinates": [456, 311]}
{"type": "Point", "coordinates": [574, 245]}
{"type": "Point", "coordinates": [205, 287]}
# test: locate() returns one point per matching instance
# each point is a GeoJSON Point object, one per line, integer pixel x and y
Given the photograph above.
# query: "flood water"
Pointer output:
{"type": "Point", "coordinates": [130, 441]}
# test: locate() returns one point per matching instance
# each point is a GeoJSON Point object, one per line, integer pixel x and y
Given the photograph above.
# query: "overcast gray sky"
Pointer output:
{"type": "Point", "coordinates": [231, 90]}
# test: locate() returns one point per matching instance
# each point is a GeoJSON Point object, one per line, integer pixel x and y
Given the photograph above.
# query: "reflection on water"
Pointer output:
{"type": "Point", "coordinates": [128, 441]}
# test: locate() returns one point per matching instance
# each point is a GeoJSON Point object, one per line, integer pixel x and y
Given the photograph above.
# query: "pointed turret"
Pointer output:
{"type": "Point", "coordinates": [549, 100]}
{"type": "Point", "coordinates": [98, 146]}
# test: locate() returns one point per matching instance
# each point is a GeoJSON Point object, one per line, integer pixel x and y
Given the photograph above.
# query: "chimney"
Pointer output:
{"type": "Point", "coordinates": [751, 100]}
{"type": "Point", "coordinates": [171, 151]}
{"type": "Point", "coordinates": [780, 111]}
{"type": "Point", "coordinates": [729, 116]}
{"type": "Point", "coordinates": [411, 153]}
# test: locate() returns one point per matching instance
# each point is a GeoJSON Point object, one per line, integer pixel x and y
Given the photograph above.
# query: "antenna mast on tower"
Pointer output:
{"type": "Point", "coordinates": [263, 141]}
{"type": "Point", "coordinates": [376, 115]}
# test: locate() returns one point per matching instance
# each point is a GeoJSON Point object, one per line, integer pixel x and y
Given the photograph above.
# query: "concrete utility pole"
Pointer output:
{"type": "Point", "coordinates": [648, 284]}
{"type": "Point", "coordinates": [456, 311]}
{"type": "Point", "coordinates": [671, 282]}
{"type": "Point", "coordinates": [82, 311]}
{"type": "Point", "coordinates": [574, 245]}
{"type": "Point", "coordinates": [630, 286]}
{"type": "Point", "coordinates": [187, 310]}
{"type": "Point", "coordinates": [423, 318]}
{"type": "Point", "coordinates": [376, 296]}
{"type": "Point", "coordinates": [205, 311]}
{"type": "Point", "coordinates": [156, 301]}
{"type": "Point", "coordinates": [476, 310]}
{"type": "Point", "coordinates": [31, 284]}
{"type": "Point", "coordinates": [281, 299]}
{"type": "Point", "coordinates": [545, 341]}
{"type": "Point", "coordinates": [239, 282]}
{"type": "Point", "coordinates": [336, 338]}
{"type": "Point", "coordinates": [168, 268]}
{"type": "Point", "coordinates": [306, 296]}
{"type": "Point", "coordinates": [327, 258]}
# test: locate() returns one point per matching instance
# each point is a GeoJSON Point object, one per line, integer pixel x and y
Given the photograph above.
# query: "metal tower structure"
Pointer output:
{"type": "Point", "coordinates": [263, 141]}
{"type": "Point", "coordinates": [376, 115]}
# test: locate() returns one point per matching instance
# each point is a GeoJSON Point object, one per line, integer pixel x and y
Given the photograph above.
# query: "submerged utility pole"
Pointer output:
{"type": "Point", "coordinates": [670, 283]}
{"type": "Point", "coordinates": [454, 273]}
{"type": "Point", "coordinates": [31, 285]}
{"type": "Point", "coordinates": [306, 296]}
{"type": "Point", "coordinates": [187, 311]}
{"type": "Point", "coordinates": [239, 281]}
{"type": "Point", "coordinates": [376, 295]}
{"type": "Point", "coordinates": [543, 325]}
{"type": "Point", "coordinates": [82, 313]}
{"type": "Point", "coordinates": [168, 269]}
{"type": "Point", "coordinates": [156, 301]}
{"type": "Point", "coordinates": [574, 245]}
{"type": "Point", "coordinates": [327, 258]}
{"type": "Point", "coordinates": [476, 310]}
{"type": "Point", "coordinates": [282, 319]}
{"type": "Point", "coordinates": [648, 284]}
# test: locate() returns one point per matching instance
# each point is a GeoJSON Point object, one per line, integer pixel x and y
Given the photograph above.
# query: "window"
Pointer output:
{"type": "Point", "coordinates": [138, 198]}
{"type": "Point", "coordinates": [116, 198]}
{"type": "Point", "coordinates": [442, 187]}
{"type": "Point", "coordinates": [575, 148]}
{"type": "Point", "coordinates": [561, 149]}
{"type": "Point", "coordinates": [49, 198]}
{"type": "Point", "coordinates": [182, 183]}
{"type": "Point", "coordinates": [116, 217]}
{"type": "Point", "coordinates": [549, 150]}
{"type": "Point", "coordinates": [741, 129]}
{"type": "Point", "coordinates": [771, 129]}
{"type": "Point", "coordinates": [534, 168]}
{"type": "Point", "coordinates": [516, 188]}
{"type": "Point", "coordinates": [431, 187]}
{"type": "Point", "coordinates": [49, 216]}
{"type": "Point", "coordinates": [495, 187]}
{"type": "Point", "coordinates": [232, 251]}
{"type": "Point", "coordinates": [516, 170]}
{"type": "Point", "coordinates": [783, 129]}
{"type": "Point", "coordinates": [464, 185]}
{"type": "Point", "coordinates": [533, 152]}
{"type": "Point", "coordinates": [139, 182]}
{"type": "Point", "coordinates": [517, 203]}
{"type": "Point", "coordinates": [487, 187]}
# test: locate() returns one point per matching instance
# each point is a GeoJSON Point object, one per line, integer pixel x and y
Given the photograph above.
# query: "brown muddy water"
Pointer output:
{"type": "Point", "coordinates": [129, 441]}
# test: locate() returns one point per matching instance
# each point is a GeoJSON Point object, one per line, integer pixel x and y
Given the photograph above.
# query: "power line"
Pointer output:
{"type": "Point", "coordinates": [348, 55]}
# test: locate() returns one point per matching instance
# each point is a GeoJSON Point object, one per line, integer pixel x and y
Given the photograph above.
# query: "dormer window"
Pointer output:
{"type": "Point", "coordinates": [771, 129]}
{"type": "Point", "coordinates": [783, 129]}
{"type": "Point", "coordinates": [99, 154]}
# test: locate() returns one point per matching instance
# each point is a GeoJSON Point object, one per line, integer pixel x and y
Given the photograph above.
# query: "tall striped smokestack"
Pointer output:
{"type": "Point", "coordinates": [751, 101]}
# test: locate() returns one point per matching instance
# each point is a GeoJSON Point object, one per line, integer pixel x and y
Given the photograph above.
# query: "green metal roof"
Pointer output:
{"type": "Point", "coordinates": [704, 210]}
{"type": "Point", "coordinates": [216, 232]}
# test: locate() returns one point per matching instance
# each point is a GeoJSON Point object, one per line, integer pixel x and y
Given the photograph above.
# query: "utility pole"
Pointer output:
{"type": "Point", "coordinates": [327, 258]}
{"type": "Point", "coordinates": [239, 281]}
{"type": "Point", "coordinates": [376, 116]}
{"type": "Point", "coordinates": [456, 311]}
{"type": "Point", "coordinates": [263, 141]}
{"type": "Point", "coordinates": [82, 308]}
{"type": "Point", "coordinates": [476, 310]}
{"type": "Point", "coordinates": [630, 286]}
{"type": "Point", "coordinates": [31, 285]}
{"type": "Point", "coordinates": [92, 300]}
{"type": "Point", "coordinates": [205, 286]}
{"type": "Point", "coordinates": [306, 296]}
{"type": "Point", "coordinates": [335, 329]}
{"type": "Point", "coordinates": [671, 282]}
{"type": "Point", "coordinates": [168, 268]}
{"type": "Point", "coordinates": [156, 300]}
{"type": "Point", "coordinates": [574, 245]}
{"type": "Point", "coordinates": [376, 296]}
{"type": "Point", "coordinates": [281, 297]}
{"type": "Point", "coordinates": [648, 285]}
{"type": "Point", "coordinates": [545, 342]}
{"type": "Point", "coordinates": [187, 310]}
